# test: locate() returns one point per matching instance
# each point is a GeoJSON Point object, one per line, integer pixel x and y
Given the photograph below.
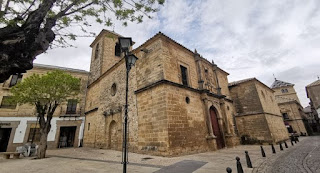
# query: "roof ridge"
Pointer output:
{"type": "Point", "coordinates": [317, 82]}
{"type": "Point", "coordinates": [279, 83]}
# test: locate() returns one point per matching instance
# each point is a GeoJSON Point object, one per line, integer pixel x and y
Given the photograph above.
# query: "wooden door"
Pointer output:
{"type": "Point", "coordinates": [216, 128]}
{"type": "Point", "coordinates": [4, 138]}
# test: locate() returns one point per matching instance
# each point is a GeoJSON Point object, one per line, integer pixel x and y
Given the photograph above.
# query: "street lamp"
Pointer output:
{"type": "Point", "coordinates": [125, 43]}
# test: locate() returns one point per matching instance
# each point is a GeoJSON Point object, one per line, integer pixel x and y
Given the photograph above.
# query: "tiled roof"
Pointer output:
{"type": "Point", "coordinates": [60, 68]}
{"type": "Point", "coordinates": [239, 82]}
{"type": "Point", "coordinates": [279, 83]}
{"type": "Point", "coordinates": [317, 82]}
{"type": "Point", "coordinates": [280, 99]}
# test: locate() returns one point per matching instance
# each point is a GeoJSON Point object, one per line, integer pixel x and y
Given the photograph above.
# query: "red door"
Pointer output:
{"type": "Point", "coordinates": [216, 128]}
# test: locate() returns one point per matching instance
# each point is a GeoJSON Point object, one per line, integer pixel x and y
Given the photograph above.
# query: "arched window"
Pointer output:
{"type": "Point", "coordinates": [96, 54]}
{"type": "Point", "coordinates": [117, 50]}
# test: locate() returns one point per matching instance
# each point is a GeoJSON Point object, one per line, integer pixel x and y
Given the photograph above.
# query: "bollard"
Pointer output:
{"type": "Point", "coordinates": [292, 143]}
{"type": "Point", "coordinates": [249, 164]}
{"type": "Point", "coordinates": [229, 170]}
{"type": "Point", "coordinates": [239, 166]}
{"type": "Point", "coordinates": [285, 144]}
{"type": "Point", "coordinates": [273, 150]}
{"type": "Point", "coordinates": [262, 151]}
{"type": "Point", "coordinates": [281, 148]}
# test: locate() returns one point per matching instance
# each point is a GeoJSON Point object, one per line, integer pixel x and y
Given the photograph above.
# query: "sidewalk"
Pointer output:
{"type": "Point", "coordinates": [100, 160]}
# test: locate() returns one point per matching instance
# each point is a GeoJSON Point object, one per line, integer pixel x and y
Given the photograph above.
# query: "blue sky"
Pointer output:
{"type": "Point", "coordinates": [247, 38]}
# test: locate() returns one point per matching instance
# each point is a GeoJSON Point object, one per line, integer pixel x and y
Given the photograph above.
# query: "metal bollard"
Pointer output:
{"type": "Point", "coordinates": [239, 166]}
{"type": "Point", "coordinates": [229, 170]}
{"type": "Point", "coordinates": [262, 151]}
{"type": "Point", "coordinates": [291, 143]}
{"type": "Point", "coordinates": [285, 144]}
{"type": "Point", "coordinates": [281, 148]}
{"type": "Point", "coordinates": [273, 150]}
{"type": "Point", "coordinates": [249, 164]}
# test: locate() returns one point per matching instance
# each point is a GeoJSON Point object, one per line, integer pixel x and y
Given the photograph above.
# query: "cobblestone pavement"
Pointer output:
{"type": "Point", "coordinates": [101, 160]}
{"type": "Point", "coordinates": [304, 158]}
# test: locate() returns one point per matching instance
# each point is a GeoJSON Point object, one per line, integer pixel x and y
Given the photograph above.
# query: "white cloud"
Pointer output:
{"type": "Point", "coordinates": [247, 38]}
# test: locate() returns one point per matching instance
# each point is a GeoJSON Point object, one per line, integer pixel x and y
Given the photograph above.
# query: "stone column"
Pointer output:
{"type": "Point", "coordinates": [208, 118]}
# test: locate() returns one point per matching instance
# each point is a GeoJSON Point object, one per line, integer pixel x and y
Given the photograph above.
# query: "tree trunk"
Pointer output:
{"type": "Point", "coordinates": [43, 144]}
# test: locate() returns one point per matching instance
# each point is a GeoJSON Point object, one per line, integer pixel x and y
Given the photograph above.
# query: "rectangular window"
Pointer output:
{"type": "Point", "coordinates": [285, 116]}
{"type": "Point", "coordinates": [15, 79]}
{"type": "Point", "coordinates": [72, 106]}
{"type": "Point", "coordinates": [184, 75]}
{"type": "Point", "coordinates": [35, 134]}
{"type": "Point", "coordinates": [6, 103]}
{"type": "Point", "coordinates": [117, 51]}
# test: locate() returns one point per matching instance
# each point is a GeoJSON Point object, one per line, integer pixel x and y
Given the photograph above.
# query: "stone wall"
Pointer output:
{"type": "Point", "coordinates": [277, 128]}
{"type": "Point", "coordinates": [255, 127]}
{"type": "Point", "coordinates": [267, 99]}
{"type": "Point", "coordinates": [246, 98]}
{"type": "Point", "coordinates": [290, 94]}
{"type": "Point", "coordinates": [153, 121]}
{"type": "Point", "coordinates": [186, 122]}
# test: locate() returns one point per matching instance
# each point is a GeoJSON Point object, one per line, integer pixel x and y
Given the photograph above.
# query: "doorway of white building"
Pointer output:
{"type": "Point", "coordinates": [4, 138]}
{"type": "Point", "coordinates": [67, 135]}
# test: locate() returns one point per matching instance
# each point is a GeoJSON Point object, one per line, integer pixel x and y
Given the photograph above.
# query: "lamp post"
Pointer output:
{"type": "Point", "coordinates": [125, 43]}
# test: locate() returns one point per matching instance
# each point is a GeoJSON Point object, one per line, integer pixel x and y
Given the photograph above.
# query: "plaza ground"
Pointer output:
{"type": "Point", "coordinates": [101, 160]}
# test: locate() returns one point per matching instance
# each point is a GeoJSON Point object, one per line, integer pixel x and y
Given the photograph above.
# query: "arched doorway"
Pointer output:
{"type": "Point", "coordinates": [216, 128]}
{"type": "Point", "coordinates": [113, 140]}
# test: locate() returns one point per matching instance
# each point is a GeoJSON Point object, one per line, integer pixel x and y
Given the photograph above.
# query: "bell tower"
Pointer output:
{"type": "Point", "coordinates": [105, 53]}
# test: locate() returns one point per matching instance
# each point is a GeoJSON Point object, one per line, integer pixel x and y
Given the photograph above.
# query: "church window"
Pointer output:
{"type": "Point", "coordinates": [117, 51]}
{"type": "Point", "coordinates": [184, 75]}
{"type": "Point", "coordinates": [113, 89]}
{"type": "Point", "coordinates": [285, 116]}
{"type": "Point", "coordinates": [187, 100]}
{"type": "Point", "coordinates": [284, 90]}
{"type": "Point", "coordinates": [97, 51]}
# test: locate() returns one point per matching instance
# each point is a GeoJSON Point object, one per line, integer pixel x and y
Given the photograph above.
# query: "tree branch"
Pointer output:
{"type": "Point", "coordinates": [22, 15]}
{"type": "Point", "coordinates": [76, 10]}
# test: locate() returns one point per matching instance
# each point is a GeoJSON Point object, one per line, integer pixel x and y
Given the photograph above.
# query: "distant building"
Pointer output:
{"type": "Point", "coordinates": [290, 107]}
{"type": "Point", "coordinates": [313, 93]}
{"type": "Point", "coordinates": [179, 102]}
{"type": "Point", "coordinates": [258, 117]}
{"type": "Point", "coordinates": [18, 123]}
{"type": "Point", "coordinates": [312, 117]}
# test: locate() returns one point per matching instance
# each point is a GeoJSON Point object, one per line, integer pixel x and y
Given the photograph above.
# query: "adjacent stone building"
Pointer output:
{"type": "Point", "coordinates": [258, 117]}
{"type": "Point", "coordinates": [179, 103]}
{"type": "Point", "coordinates": [290, 107]}
{"type": "Point", "coordinates": [18, 123]}
{"type": "Point", "coordinates": [313, 93]}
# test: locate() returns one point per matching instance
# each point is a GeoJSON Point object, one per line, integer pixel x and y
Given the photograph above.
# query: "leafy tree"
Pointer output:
{"type": "Point", "coordinates": [46, 92]}
{"type": "Point", "coordinates": [29, 27]}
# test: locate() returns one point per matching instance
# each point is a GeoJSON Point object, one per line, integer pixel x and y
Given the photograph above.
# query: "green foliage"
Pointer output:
{"type": "Point", "coordinates": [53, 87]}
{"type": "Point", "coordinates": [78, 13]}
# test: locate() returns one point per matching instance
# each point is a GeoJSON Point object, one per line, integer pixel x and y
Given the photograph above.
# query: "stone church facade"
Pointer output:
{"type": "Point", "coordinates": [179, 103]}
